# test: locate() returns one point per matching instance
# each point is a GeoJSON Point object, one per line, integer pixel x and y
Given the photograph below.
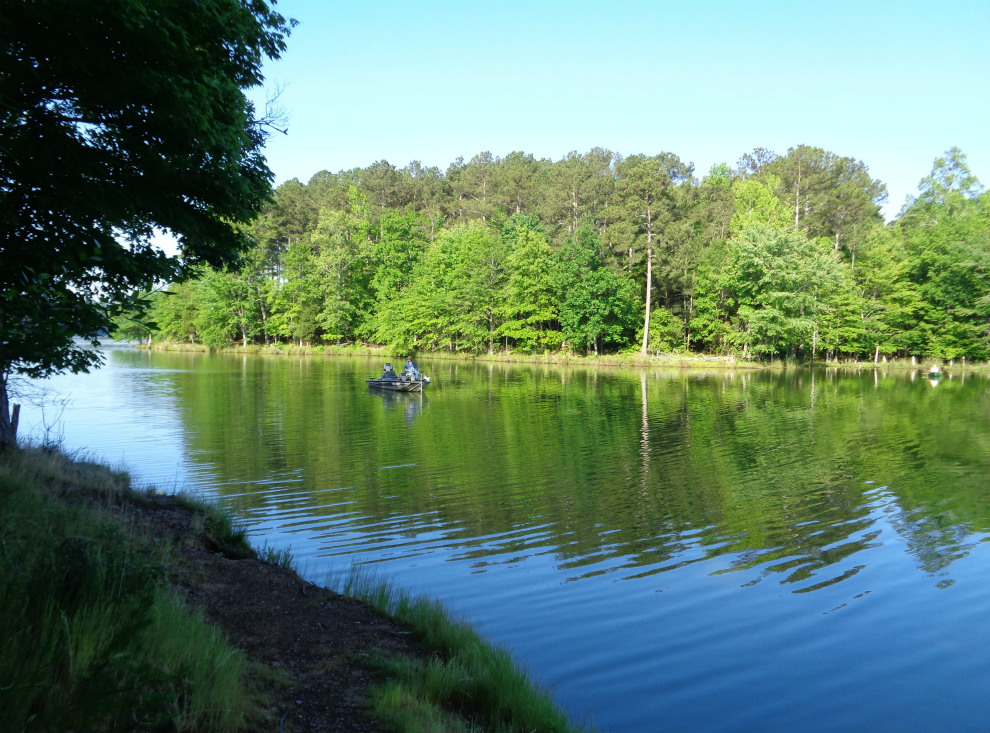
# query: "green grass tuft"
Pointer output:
{"type": "Point", "coordinates": [281, 558]}
{"type": "Point", "coordinates": [482, 683]}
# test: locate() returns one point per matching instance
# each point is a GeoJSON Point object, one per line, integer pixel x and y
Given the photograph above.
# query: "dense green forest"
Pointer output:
{"type": "Point", "coordinates": [786, 256]}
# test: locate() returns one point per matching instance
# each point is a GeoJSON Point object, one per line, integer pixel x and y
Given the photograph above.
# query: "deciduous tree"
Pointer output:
{"type": "Point", "coordinates": [597, 305]}
{"type": "Point", "coordinates": [947, 236]}
{"type": "Point", "coordinates": [116, 118]}
{"type": "Point", "coordinates": [530, 305]}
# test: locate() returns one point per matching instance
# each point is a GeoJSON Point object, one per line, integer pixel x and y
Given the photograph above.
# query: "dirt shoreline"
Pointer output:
{"type": "Point", "coordinates": [312, 650]}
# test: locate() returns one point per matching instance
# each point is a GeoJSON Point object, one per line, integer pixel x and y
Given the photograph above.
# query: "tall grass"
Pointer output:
{"type": "Point", "coordinates": [479, 681]}
{"type": "Point", "coordinates": [92, 640]}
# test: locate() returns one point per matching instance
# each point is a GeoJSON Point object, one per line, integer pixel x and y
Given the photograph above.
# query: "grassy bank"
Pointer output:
{"type": "Point", "coordinates": [466, 674]}
{"type": "Point", "coordinates": [627, 359]}
{"type": "Point", "coordinates": [96, 638]}
{"type": "Point", "coordinates": [634, 359]}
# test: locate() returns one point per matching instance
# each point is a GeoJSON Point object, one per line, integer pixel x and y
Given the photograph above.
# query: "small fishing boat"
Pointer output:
{"type": "Point", "coordinates": [934, 372]}
{"type": "Point", "coordinates": [411, 380]}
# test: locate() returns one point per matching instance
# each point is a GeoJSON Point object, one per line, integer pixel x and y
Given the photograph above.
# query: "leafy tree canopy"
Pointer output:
{"type": "Point", "coordinates": [118, 118]}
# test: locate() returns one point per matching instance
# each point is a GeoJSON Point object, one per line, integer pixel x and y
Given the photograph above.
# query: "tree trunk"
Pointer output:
{"type": "Point", "coordinates": [264, 316]}
{"type": "Point", "coordinates": [8, 419]}
{"type": "Point", "coordinates": [797, 199]}
{"type": "Point", "coordinates": [649, 279]}
{"type": "Point", "coordinates": [649, 294]}
{"type": "Point", "coordinates": [574, 211]}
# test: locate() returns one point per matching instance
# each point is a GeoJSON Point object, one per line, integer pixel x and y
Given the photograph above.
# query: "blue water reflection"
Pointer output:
{"type": "Point", "coordinates": [671, 551]}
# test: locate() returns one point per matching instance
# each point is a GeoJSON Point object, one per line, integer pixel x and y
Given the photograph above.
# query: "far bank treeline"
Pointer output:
{"type": "Point", "coordinates": [787, 256]}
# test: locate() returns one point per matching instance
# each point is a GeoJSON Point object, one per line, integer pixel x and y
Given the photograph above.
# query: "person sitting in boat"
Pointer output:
{"type": "Point", "coordinates": [411, 368]}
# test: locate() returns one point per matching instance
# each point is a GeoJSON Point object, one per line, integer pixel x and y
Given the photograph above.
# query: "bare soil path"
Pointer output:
{"type": "Point", "coordinates": [317, 646]}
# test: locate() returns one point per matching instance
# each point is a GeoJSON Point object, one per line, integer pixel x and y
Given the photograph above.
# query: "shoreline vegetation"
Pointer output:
{"type": "Point", "coordinates": [631, 360]}
{"type": "Point", "coordinates": [785, 258]}
{"type": "Point", "coordinates": [133, 610]}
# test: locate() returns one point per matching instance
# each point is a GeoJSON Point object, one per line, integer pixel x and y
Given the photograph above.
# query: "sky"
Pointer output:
{"type": "Point", "coordinates": [893, 84]}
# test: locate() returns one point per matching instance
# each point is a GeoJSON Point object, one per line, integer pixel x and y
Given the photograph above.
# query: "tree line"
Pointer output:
{"type": "Point", "coordinates": [784, 256]}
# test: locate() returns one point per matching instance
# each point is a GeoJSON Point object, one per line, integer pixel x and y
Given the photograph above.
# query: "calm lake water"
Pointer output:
{"type": "Point", "coordinates": [669, 550]}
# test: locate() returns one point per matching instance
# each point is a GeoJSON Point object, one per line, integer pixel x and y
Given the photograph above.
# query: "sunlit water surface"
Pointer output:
{"type": "Point", "coordinates": [670, 551]}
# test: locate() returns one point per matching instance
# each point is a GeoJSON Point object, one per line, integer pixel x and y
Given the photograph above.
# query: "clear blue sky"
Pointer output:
{"type": "Point", "coordinates": [891, 83]}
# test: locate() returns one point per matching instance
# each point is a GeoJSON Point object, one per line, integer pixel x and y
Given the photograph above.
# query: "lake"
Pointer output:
{"type": "Point", "coordinates": [668, 550]}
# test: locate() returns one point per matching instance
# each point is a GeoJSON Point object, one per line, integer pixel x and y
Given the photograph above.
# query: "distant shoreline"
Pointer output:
{"type": "Point", "coordinates": [629, 360]}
